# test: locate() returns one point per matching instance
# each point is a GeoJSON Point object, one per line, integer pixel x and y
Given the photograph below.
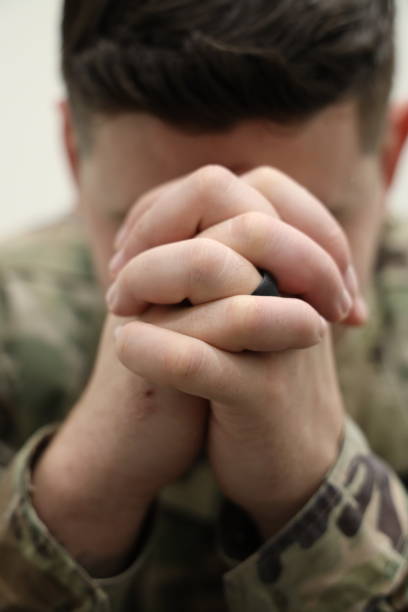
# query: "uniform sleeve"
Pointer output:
{"type": "Point", "coordinates": [346, 550]}
{"type": "Point", "coordinates": [36, 572]}
{"type": "Point", "coordinates": [50, 317]}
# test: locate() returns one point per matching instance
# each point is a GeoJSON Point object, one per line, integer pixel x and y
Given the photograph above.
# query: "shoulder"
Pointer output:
{"type": "Point", "coordinates": [46, 273]}
{"type": "Point", "coordinates": [51, 312]}
{"type": "Point", "coordinates": [57, 248]}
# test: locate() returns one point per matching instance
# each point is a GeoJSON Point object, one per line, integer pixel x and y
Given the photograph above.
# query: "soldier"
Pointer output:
{"type": "Point", "coordinates": [209, 463]}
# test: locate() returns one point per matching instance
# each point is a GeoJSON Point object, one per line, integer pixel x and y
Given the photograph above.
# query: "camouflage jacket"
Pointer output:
{"type": "Point", "coordinates": [346, 550]}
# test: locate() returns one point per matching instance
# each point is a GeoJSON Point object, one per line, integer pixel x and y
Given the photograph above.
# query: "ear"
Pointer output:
{"type": "Point", "coordinates": [69, 139]}
{"type": "Point", "coordinates": [395, 140]}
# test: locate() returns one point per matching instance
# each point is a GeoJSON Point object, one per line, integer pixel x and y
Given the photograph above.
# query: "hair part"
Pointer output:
{"type": "Point", "coordinates": [205, 66]}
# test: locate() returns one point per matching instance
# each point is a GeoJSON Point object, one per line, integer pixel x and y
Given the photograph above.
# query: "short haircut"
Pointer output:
{"type": "Point", "coordinates": [205, 65]}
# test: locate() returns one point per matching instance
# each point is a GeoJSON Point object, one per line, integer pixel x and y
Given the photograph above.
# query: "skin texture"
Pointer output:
{"type": "Point", "coordinates": [245, 433]}
{"type": "Point", "coordinates": [133, 154]}
{"type": "Point", "coordinates": [252, 379]}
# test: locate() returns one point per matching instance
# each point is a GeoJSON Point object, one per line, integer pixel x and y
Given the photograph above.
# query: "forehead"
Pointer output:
{"type": "Point", "coordinates": [133, 153]}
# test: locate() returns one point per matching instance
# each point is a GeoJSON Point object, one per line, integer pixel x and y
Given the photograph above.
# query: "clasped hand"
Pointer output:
{"type": "Point", "coordinates": [264, 364]}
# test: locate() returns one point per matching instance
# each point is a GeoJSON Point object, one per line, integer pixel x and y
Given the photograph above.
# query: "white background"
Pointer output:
{"type": "Point", "coordinates": [34, 183]}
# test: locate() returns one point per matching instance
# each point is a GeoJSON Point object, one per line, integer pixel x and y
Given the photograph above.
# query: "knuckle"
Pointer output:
{"type": "Point", "coordinates": [247, 315]}
{"type": "Point", "coordinates": [141, 234]}
{"type": "Point", "coordinates": [211, 180]}
{"type": "Point", "coordinates": [185, 363]}
{"type": "Point", "coordinates": [251, 227]}
{"type": "Point", "coordinates": [205, 259]}
{"type": "Point", "coordinates": [255, 318]}
{"type": "Point", "coordinates": [264, 175]}
{"type": "Point", "coordinates": [235, 311]}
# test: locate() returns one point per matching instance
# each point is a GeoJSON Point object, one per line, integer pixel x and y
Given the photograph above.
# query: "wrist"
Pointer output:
{"type": "Point", "coordinates": [292, 492]}
{"type": "Point", "coordinates": [95, 517]}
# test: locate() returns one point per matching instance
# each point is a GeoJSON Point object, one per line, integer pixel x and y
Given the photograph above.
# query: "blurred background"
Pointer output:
{"type": "Point", "coordinates": [35, 185]}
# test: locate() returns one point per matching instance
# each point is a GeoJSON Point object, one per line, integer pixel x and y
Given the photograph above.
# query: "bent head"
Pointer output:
{"type": "Point", "coordinates": [160, 88]}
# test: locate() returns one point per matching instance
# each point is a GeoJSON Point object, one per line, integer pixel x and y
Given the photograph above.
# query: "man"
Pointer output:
{"type": "Point", "coordinates": [211, 440]}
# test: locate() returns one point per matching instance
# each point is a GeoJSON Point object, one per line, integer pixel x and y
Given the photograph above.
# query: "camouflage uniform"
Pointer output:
{"type": "Point", "coordinates": [346, 550]}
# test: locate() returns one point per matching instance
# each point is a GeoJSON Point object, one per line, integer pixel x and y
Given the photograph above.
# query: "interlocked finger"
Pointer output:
{"type": "Point", "coordinates": [200, 271]}
{"type": "Point", "coordinates": [299, 208]}
{"type": "Point", "coordinates": [241, 323]}
{"type": "Point", "coordinates": [184, 208]}
{"type": "Point", "coordinates": [300, 265]}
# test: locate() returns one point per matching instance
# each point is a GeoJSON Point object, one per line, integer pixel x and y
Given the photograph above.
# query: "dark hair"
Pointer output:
{"type": "Point", "coordinates": [207, 64]}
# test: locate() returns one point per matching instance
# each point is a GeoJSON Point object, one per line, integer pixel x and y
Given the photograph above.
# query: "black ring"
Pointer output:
{"type": "Point", "coordinates": [267, 286]}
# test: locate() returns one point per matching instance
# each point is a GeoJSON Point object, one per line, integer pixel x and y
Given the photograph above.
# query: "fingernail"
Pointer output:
{"type": "Point", "coordinates": [112, 297]}
{"type": "Point", "coordinates": [361, 309]}
{"type": "Point", "coordinates": [344, 305]}
{"type": "Point", "coordinates": [351, 282]}
{"type": "Point", "coordinates": [117, 262]}
{"type": "Point", "coordinates": [323, 327]}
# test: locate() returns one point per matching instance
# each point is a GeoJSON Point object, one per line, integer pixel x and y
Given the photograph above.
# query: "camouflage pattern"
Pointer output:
{"type": "Point", "coordinates": [373, 361]}
{"type": "Point", "coordinates": [51, 312]}
{"type": "Point", "coordinates": [346, 550]}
